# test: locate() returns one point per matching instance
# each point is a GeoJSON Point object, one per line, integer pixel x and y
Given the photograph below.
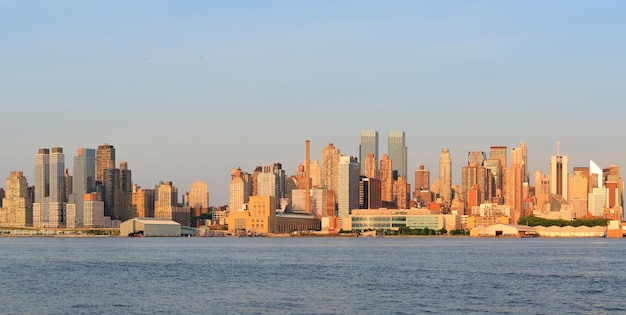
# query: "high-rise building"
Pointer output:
{"type": "Point", "coordinates": [57, 175]}
{"type": "Point", "coordinates": [199, 195]}
{"type": "Point", "coordinates": [402, 193]}
{"type": "Point", "coordinates": [166, 199]}
{"type": "Point", "coordinates": [42, 175]}
{"type": "Point", "coordinates": [105, 158]}
{"type": "Point", "coordinates": [386, 179]}
{"type": "Point", "coordinates": [117, 193]}
{"type": "Point", "coordinates": [93, 211]}
{"type": "Point", "coordinates": [240, 189]}
{"type": "Point", "coordinates": [330, 167]}
{"type": "Point", "coordinates": [397, 151]}
{"type": "Point", "coordinates": [476, 157]}
{"type": "Point", "coordinates": [17, 206]}
{"type": "Point", "coordinates": [445, 177]}
{"type": "Point", "coordinates": [498, 153]}
{"type": "Point", "coordinates": [68, 183]}
{"type": "Point", "coordinates": [523, 152]}
{"type": "Point", "coordinates": [369, 193]}
{"type": "Point", "coordinates": [316, 174]}
{"type": "Point", "coordinates": [56, 200]}
{"type": "Point", "coordinates": [514, 186]}
{"type": "Point", "coordinates": [143, 202]}
{"type": "Point", "coordinates": [474, 198]}
{"type": "Point", "coordinates": [348, 186]}
{"type": "Point", "coordinates": [370, 165]}
{"type": "Point", "coordinates": [42, 188]}
{"type": "Point", "coordinates": [594, 169]}
{"type": "Point", "coordinates": [495, 186]}
{"type": "Point", "coordinates": [474, 174]}
{"type": "Point", "coordinates": [271, 182]}
{"type": "Point", "coordinates": [84, 179]}
{"type": "Point", "coordinates": [559, 175]}
{"type": "Point", "coordinates": [579, 191]}
{"type": "Point", "coordinates": [422, 178]}
{"type": "Point", "coordinates": [84, 182]}
{"type": "Point", "coordinates": [542, 190]}
{"type": "Point", "coordinates": [598, 200]}
{"type": "Point", "coordinates": [369, 145]}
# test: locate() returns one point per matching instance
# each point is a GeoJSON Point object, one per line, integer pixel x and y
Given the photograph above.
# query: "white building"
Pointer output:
{"type": "Point", "coordinates": [347, 185]}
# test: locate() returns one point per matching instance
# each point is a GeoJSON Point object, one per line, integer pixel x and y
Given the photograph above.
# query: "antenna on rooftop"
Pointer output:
{"type": "Point", "coordinates": [558, 148]}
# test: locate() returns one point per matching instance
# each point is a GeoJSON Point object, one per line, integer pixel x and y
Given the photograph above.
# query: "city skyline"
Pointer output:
{"type": "Point", "coordinates": [198, 90]}
{"type": "Point", "coordinates": [456, 169]}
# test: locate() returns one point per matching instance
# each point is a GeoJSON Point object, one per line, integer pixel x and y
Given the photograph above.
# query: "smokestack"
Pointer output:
{"type": "Point", "coordinates": [307, 178]}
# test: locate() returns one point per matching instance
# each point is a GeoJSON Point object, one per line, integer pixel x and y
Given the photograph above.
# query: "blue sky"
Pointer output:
{"type": "Point", "coordinates": [186, 90]}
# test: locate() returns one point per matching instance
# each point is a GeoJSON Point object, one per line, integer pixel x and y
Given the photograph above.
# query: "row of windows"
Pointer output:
{"type": "Point", "coordinates": [360, 226]}
{"type": "Point", "coordinates": [371, 219]}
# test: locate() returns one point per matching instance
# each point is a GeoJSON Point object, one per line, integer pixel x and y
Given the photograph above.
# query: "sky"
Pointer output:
{"type": "Point", "coordinates": [187, 90]}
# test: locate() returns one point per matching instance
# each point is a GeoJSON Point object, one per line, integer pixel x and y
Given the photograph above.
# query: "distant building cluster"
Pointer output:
{"type": "Point", "coordinates": [337, 192]}
{"type": "Point", "coordinates": [372, 192]}
{"type": "Point", "coordinates": [95, 194]}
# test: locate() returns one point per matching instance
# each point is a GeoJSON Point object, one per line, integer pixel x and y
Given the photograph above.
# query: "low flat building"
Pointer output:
{"type": "Point", "coordinates": [504, 230]}
{"type": "Point", "coordinates": [394, 219]}
{"type": "Point", "coordinates": [150, 227]}
{"type": "Point", "coordinates": [291, 222]}
{"type": "Point", "coordinates": [571, 231]}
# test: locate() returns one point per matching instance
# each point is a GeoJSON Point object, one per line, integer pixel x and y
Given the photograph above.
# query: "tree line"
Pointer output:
{"type": "Point", "coordinates": [532, 220]}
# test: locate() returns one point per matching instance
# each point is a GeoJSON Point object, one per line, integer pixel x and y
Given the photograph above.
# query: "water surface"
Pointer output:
{"type": "Point", "coordinates": [40, 275]}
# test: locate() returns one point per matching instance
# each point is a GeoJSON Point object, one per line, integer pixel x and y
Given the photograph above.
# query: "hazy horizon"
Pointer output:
{"type": "Point", "coordinates": [187, 91]}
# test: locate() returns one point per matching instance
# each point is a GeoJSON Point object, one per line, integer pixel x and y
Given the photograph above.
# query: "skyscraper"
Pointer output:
{"type": "Point", "coordinates": [240, 189]}
{"type": "Point", "coordinates": [579, 191]}
{"type": "Point", "coordinates": [476, 157]}
{"type": "Point", "coordinates": [422, 178]}
{"type": "Point", "coordinates": [271, 182]}
{"type": "Point", "coordinates": [397, 151]}
{"type": "Point", "coordinates": [199, 195]}
{"type": "Point", "coordinates": [445, 177]}
{"type": "Point", "coordinates": [402, 193]}
{"type": "Point", "coordinates": [117, 193]}
{"type": "Point", "coordinates": [370, 165]}
{"type": "Point", "coordinates": [143, 202]}
{"type": "Point", "coordinates": [499, 153]}
{"type": "Point", "coordinates": [42, 188]}
{"type": "Point", "coordinates": [57, 175]}
{"type": "Point", "coordinates": [348, 186]}
{"type": "Point", "coordinates": [105, 158]}
{"type": "Point", "coordinates": [166, 199]}
{"type": "Point", "coordinates": [524, 161]}
{"type": "Point", "coordinates": [42, 175]}
{"type": "Point", "coordinates": [330, 166]}
{"type": "Point", "coordinates": [559, 174]}
{"type": "Point", "coordinates": [474, 174]}
{"type": "Point", "coordinates": [369, 145]}
{"type": "Point", "coordinates": [595, 169]}
{"type": "Point", "coordinates": [495, 185]}
{"type": "Point", "coordinates": [84, 182]}
{"type": "Point", "coordinates": [316, 173]}
{"type": "Point", "coordinates": [514, 185]}
{"type": "Point", "coordinates": [17, 206]}
{"type": "Point", "coordinates": [57, 198]}
{"type": "Point", "coordinates": [84, 179]}
{"type": "Point", "coordinates": [386, 179]}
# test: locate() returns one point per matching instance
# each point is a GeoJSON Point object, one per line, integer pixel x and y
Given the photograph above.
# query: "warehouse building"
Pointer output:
{"type": "Point", "coordinates": [150, 227]}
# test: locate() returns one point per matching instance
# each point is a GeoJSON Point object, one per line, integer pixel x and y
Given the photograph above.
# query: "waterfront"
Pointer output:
{"type": "Point", "coordinates": [311, 275]}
